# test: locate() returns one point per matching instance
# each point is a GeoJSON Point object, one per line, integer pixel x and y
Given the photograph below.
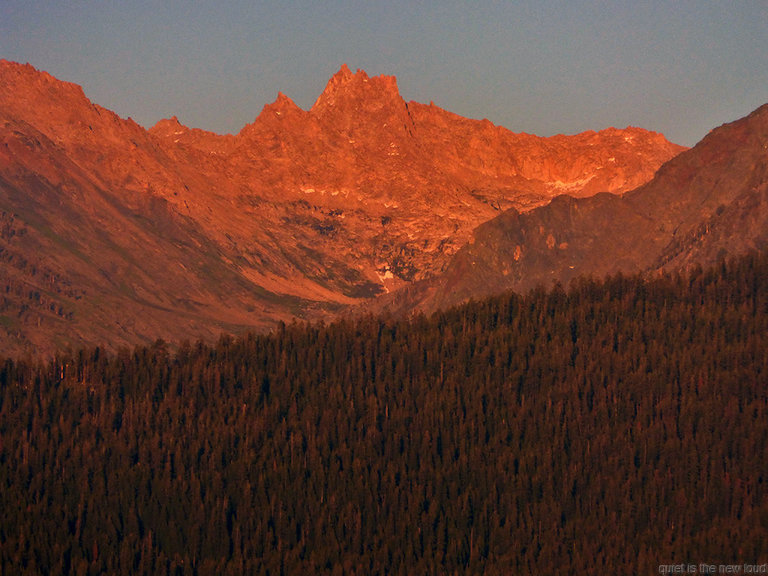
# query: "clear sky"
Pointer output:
{"type": "Point", "coordinates": [541, 66]}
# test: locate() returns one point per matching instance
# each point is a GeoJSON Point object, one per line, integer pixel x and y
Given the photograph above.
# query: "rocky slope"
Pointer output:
{"type": "Point", "coordinates": [115, 234]}
{"type": "Point", "coordinates": [708, 202]}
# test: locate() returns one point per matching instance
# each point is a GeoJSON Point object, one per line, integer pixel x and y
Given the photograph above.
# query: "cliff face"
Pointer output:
{"type": "Point", "coordinates": [116, 234]}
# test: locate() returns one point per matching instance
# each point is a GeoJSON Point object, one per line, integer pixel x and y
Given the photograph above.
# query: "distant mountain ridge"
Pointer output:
{"type": "Point", "coordinates": [115, 235]}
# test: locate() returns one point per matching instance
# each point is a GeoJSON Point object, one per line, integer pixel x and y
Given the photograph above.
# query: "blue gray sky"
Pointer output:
{"type": "Point", "coordinates": [542, 66]}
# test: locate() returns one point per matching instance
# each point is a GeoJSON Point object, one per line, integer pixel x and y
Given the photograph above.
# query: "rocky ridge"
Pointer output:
{"type": "Point", "coordinates": [705, 204]}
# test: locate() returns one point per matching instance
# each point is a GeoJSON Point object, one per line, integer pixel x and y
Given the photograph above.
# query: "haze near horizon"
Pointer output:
{"type": "Point", "coordinates": [539, 67]}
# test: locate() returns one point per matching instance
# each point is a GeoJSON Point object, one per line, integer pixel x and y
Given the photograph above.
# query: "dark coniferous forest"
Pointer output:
{"type": "Point", "coordinates": [609, 427]}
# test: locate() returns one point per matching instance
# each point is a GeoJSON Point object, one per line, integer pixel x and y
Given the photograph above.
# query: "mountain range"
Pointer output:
{"type": "Point", "coordinates": [115, 235]}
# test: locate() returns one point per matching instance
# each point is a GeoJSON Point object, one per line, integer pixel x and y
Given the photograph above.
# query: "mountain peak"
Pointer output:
{"type": "Point", "coordinates": [24, 82]}
{"type": "Point", "coordinates": [345, 86]}
{"type": "Point", "coordinates": [282, 107]}
{"type": "Point", "coordinates": [282, 104]}
{"type": "Point", "coordinates": [345, 72]}
{"type": "Point", "coordinates": [168, 126]}
{"type": "Point", "coordinates": [8, 68]}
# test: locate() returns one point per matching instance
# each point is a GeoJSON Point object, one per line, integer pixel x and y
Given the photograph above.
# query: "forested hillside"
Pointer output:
{"type": "Point", "coordinates": [607, 428]}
